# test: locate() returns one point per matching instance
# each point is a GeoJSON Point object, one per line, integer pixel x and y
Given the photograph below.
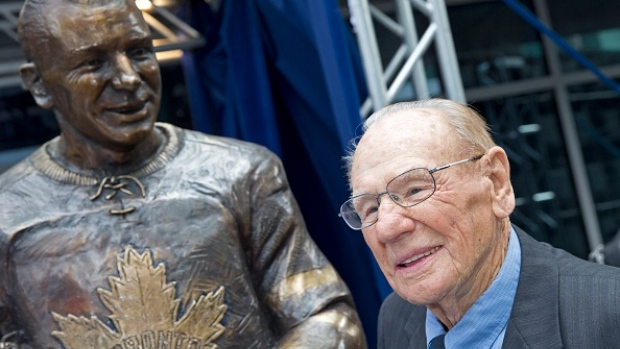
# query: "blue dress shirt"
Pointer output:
{"type": "Point", "coordinates": [484, 324]}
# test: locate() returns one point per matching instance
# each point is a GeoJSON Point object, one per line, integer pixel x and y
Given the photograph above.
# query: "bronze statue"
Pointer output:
{"type": "Point", "coordinates": [127, 233]}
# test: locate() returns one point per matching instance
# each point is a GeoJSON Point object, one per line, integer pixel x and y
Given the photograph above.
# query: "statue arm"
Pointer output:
{"type": "Point", "coordinates": [4, 310]}
{"type": "Point", "coordinates": [337, 326]}
{"type": "Point", "coordinates": [309, 303]}
{"type": "Point", "coordinates": [9, 334]}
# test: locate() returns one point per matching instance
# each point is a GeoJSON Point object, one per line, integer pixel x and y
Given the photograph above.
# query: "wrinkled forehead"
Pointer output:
{"type": "Point", "coordinates": [417, 133]}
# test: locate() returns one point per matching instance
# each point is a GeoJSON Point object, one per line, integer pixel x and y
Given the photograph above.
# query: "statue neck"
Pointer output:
{"type": "Point", "coordinates": [51, 160]}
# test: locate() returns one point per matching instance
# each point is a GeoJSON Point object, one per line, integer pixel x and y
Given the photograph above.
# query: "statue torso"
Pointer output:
{"type": "Point", "coordinates": [174, 273]}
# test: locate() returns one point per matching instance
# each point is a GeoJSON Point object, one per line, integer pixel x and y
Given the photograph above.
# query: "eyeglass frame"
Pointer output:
{"type": "Point", "coordinates": [431, 171]}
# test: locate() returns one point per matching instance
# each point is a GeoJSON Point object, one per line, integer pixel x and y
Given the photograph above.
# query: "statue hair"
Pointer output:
{"type": "Point", "coordinates": [33, 18]}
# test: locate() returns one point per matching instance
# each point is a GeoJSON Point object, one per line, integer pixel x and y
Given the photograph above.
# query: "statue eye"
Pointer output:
{"type": "Point", "coordinates": [94, 63]}
{"type": "Point", "coordinates": [141, 53]}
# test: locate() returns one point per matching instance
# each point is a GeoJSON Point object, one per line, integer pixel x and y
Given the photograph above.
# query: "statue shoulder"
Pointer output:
{"type": "Point", "coordinates": [17, 173]}
{"type": "Point", "coordinates": [230, 146]}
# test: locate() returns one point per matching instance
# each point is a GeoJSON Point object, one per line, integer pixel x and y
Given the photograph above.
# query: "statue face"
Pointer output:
{"type": "Point", "coordinates": [101, 73]}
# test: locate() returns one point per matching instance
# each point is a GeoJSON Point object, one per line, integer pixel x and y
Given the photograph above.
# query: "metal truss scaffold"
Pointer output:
{"type": "Point", "coordinates": [406, 64]}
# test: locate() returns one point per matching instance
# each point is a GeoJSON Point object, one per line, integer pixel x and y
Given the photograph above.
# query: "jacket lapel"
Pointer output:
{"type": "Point", "coordinates": [415, 328]}
{"type": "Point", "coordinates": [534, 320]}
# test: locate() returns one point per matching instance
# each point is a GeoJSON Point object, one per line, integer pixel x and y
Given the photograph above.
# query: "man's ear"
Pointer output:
{"type": "Point", "coordinates": [33, 82]}
{"type": "Point", "coordinates": [497, 169]}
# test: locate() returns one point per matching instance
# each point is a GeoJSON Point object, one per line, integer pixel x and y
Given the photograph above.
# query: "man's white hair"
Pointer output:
{"type": "Point", "coordinates": [468, 124]}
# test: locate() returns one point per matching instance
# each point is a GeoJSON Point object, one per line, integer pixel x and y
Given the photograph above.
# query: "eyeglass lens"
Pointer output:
{"type": "Point", "coordinates": [407, 189]}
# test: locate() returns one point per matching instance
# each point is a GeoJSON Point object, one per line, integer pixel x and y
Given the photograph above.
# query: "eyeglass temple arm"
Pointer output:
{"type": "Point", "coordinates": [457, 163]}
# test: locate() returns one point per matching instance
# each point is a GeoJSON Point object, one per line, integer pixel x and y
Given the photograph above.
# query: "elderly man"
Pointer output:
{"type": "Point", "coordinates": [432, 197]}
{"type": "Point", "coordinates": [124, 233]}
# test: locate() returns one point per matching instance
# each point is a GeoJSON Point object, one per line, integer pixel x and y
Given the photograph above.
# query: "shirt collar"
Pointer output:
{"type": "Point", "coordinates": [487, 318]}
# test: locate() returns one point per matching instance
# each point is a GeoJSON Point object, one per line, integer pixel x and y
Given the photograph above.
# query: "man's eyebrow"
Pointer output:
{"type": "Point", "coordinates": [141, 39]}
{"type": "Point", "coordinates": [84, 49]}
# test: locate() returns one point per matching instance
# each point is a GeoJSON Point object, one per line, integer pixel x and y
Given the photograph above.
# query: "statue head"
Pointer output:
{"type": "Point", "coordinates": [92, 62]}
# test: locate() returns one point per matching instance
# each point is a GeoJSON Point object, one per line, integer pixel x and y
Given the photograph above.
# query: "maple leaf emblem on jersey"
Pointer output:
{"type": "Point", "coordinates": [144, 312]}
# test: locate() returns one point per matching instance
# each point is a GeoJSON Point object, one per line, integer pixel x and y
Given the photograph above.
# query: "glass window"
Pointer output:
{"type": "Point", "coordinates": [591, 27]}
{"type": "Point", "coordinates": [22, 122]}
{"type": "Point", "coordinates": [494, 45]}
{"type": "Point", "coordinates": [597, 116]}
{"type": "Point", "coordinates": [527, 127]}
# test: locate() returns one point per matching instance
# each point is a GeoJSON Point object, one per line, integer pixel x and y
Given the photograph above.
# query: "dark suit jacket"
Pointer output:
{"type": "Point", "coordinates": [561, 302]}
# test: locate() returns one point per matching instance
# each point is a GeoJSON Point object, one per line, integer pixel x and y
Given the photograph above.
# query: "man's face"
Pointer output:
{"type": "Point", "coordinates": [447, 246]}
{"type": "Point", "coordinates": [101, 73]}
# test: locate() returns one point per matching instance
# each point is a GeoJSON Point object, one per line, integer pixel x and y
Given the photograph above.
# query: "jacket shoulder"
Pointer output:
{"type": "Point", "coordinates": [401, 324]}
{"type": "Point", "coordinates": [583, 294]}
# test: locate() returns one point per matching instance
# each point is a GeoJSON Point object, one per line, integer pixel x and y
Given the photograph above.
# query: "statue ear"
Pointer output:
{"type": "Point", "coordinates": [33, 82]}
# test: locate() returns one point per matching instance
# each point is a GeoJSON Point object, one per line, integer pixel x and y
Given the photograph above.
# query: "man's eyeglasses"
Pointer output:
{"type": "Point", "coordinates": [407, 189]}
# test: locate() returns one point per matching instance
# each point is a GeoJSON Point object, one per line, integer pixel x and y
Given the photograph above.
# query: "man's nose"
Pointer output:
{"type": "Point", "coordinates": [392, 221]}
{"type": "Point", "coordinates": [126, 77]}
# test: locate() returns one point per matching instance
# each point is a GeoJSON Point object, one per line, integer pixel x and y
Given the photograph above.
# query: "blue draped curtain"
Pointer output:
{"type": "Point", "coordinates": [286, 74]}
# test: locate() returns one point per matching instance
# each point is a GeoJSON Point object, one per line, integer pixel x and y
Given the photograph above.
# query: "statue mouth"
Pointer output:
{"type": "Point", "coordinates": [128, 109]}
{"type": "Point", "coordinates": [128, 113]}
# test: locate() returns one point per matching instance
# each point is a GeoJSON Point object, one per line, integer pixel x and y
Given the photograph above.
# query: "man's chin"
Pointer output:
{"type": "Point", "coordinates": [421, 293]}
{"type": "Point", "coordinates": [130, 135]}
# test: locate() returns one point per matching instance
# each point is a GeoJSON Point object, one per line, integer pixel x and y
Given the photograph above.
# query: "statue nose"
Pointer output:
{"type": "Point", "coordinates": [126, 77]}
